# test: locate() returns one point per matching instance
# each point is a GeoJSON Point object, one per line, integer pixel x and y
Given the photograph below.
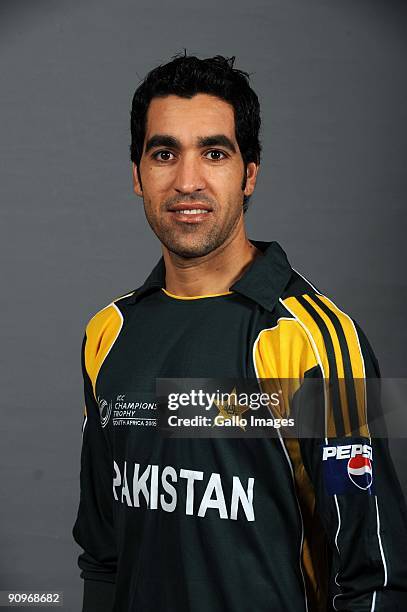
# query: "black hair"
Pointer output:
{"type": "Point", "coordinates": [186, 76]}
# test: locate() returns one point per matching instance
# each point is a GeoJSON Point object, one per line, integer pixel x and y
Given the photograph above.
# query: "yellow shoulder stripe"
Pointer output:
{"type": "Point", "coordinates": [101, 333]}
{"type": "Point", "coordinates": [283, 351]}
{"type": "Point", "coordinates": [281, 355]}
{"type": "Point", "coordinates": [356, 365]}
{"type": "Point", "coordinates": [312, 330]}
{"type": "Point", "coordinates": [341, 361]}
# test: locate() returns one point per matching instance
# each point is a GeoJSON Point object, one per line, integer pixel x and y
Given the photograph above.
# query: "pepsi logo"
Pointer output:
{"type": "Point", "coordinates": [360, 471]}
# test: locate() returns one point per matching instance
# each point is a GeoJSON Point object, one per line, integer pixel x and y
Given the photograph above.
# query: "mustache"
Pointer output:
{"type": "Point", "coordinates": [190, 198]}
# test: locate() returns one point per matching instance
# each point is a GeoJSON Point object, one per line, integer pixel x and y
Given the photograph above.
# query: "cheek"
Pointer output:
{"type": "Point", "coordinates": [153, 176]}
{"type": "Point", "coordinates": [159, 180]}
{"type": "Point", "coordinates": [228, 182]}
{"type": "Point", "coordinates": [231, 173]}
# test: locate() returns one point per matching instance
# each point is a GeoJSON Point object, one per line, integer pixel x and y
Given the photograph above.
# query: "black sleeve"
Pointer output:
{"type": "Point", "coordinates": [365, 523]}
{"type": "Point", "coordinates": [94, 525]}
{"type": "Point", "coordinates": [98, 596]}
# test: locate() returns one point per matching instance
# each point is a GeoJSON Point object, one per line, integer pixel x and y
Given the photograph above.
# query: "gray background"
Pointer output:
{"type": "Point", "coordinates": [332, 190]}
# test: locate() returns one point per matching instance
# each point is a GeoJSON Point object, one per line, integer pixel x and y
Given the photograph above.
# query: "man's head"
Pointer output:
{"type": "Point", "coordinates": [195, 144]}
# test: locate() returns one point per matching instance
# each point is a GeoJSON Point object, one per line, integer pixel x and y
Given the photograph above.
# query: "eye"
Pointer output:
{"type": "Point", "coordinates": [215, 155]}
{"type": "Point", "coordinates": [162, 155]}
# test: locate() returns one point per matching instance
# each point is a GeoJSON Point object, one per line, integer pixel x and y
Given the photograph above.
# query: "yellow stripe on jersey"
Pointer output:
{"type": "Point", "coordinates": [316, 339]}
{"type": "Point", "coordinates": [312, 330]}
{"type": "Point", "coordinates": [281, 355]}
{"type": "Point", "coordinates": [356, 362]}
{"type": "Point", "coordinates": [314, 550]}
{"type": "Point", "coordinates": [283, 351]}
{"type": "Point", "coordinates": [339, 353]}
{"type": "Point", "coordinates": [101, 333]}
{"type": "Point", "coordinates": [338, 360]}
{"type": "Point", "coordinates": [194, 297]}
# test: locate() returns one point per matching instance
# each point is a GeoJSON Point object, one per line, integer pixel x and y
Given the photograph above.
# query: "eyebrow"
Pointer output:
{"type": "Point", "coordinates": [165, 140]}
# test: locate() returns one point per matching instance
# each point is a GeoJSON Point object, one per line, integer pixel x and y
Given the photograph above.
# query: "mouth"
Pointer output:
{"type": "Point", "coordinates": [190, 213]}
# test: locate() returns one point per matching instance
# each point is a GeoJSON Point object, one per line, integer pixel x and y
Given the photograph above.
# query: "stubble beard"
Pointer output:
{"type": "Point", "coordinates": [205, 242]}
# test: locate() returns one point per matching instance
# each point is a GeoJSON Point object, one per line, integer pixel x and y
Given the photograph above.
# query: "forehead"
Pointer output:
{"type": "Point", "coordinates": [187, 118]}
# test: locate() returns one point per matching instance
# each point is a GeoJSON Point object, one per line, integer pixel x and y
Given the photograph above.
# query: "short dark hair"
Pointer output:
{"type": "Point", "coordinates": [186, 76]}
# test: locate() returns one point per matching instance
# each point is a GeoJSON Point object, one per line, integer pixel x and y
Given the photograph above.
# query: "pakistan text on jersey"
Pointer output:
{"type": "Point", "coordinates": [141, 489]}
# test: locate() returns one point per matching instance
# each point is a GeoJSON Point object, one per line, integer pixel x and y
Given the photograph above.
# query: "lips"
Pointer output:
{"type": "Point", "coordinates": [195, 212]}
{"type": "Point", "coordinates": [190, 207]}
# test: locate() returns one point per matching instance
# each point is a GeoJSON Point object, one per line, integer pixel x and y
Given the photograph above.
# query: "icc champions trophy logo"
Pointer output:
{"type": "Point", "coordinates": [105, 410]}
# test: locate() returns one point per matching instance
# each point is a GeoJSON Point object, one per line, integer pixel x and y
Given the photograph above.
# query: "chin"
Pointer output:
{"type": "Point", "coordinates": [187, 249]}
{"type": "Point", "coordinates": [190, 251]}
{"type": "Point", "coordinates": [189, 246]}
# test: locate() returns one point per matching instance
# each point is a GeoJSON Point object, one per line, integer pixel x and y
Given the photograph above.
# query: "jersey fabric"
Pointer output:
{"type": "Point", "coordinates": [235, 524]}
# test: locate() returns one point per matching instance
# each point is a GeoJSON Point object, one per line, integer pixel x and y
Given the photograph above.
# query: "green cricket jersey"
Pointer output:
{"type": "Point", "coordinates": [192, 524]}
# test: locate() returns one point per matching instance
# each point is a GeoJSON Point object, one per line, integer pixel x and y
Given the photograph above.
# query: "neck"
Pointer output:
{"type": "Point", "coordinates": [213, 273]}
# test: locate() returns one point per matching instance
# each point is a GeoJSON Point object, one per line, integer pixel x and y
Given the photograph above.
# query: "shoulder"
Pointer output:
{"type": "Point", "coordinates": [102, 330]}
{"type": "Point", "coordinates": [109, 315]}
{"type": "Point", "coordinates": [313, 308]}
{"type": "Point", "coordinates": [333, 334]}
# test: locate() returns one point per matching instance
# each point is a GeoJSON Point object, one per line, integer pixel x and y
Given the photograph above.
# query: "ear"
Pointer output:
{"type": "Point", "coordinates": [136, 183]}
{"type": "Point", "coordinates": [251, 177]}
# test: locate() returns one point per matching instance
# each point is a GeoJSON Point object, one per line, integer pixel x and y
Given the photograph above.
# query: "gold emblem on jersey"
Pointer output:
{"type": "Point", "coordinates": [232, 410]}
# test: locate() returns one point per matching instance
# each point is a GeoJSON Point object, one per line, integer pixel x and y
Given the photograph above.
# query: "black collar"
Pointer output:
{"type": "Point", "coordinates": [263, 282]}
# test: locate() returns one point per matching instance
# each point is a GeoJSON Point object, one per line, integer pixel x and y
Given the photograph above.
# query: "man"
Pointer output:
{"type": "Point", "coordinates": [235, 523]}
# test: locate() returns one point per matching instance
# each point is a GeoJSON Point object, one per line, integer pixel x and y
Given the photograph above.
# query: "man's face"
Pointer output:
{"type": "Point", "coordinates": [191, 162]}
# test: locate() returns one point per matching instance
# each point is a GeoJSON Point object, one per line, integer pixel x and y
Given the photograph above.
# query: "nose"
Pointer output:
{"type": "Point", "coordinates": [190, 176]}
